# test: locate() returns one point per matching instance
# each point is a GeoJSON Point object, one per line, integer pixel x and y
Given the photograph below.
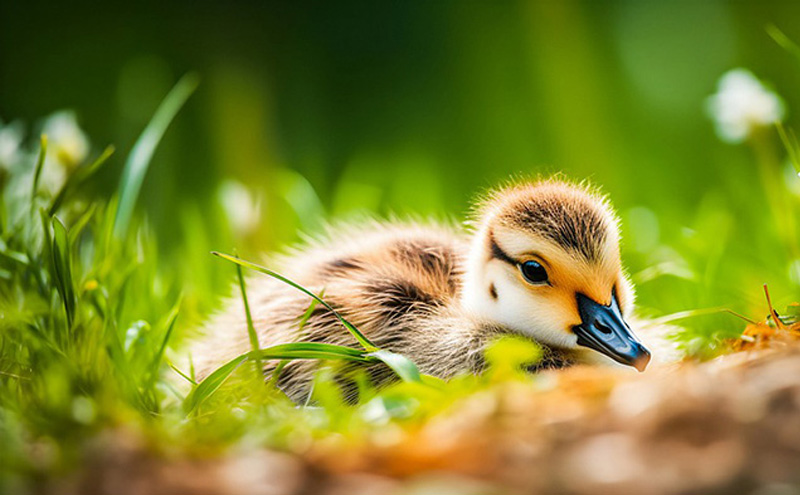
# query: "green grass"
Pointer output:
{"type": "Point", "coordinates": [88, 334]}
{"type": "Point", "coordinates": [93, 323]}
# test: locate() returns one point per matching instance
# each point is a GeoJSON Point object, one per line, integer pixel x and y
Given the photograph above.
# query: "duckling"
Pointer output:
{"type": "Point", "coordinates": [541, 260]}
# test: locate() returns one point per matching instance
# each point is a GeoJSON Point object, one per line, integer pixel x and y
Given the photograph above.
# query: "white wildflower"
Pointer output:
{"type": "Point", "coordinates": [11, 137]}
{"type": "Point", "coordinates": [67, 147]}
{"type": "Point", "coordinates": [741, 105]}
{"type": "Point", "coordinates": [242, 207]}
{"type": "Point", "coordinates": [66, 141]}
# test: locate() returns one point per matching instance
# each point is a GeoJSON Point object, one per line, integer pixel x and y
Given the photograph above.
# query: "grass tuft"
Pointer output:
{"type": "Point", "coordinates": [142, 152]}
{"type": "Point", "coordinates": [361, 338]}
{"type": "Point", "coordinates": [95, 314]}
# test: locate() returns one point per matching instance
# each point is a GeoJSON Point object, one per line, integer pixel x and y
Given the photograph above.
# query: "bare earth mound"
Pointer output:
{"type": "Point", "coordinates": [731, 425]}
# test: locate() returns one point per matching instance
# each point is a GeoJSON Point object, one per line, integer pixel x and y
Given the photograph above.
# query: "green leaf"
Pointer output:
{"type": "Point", "coordinates": [80, 224]}
{"type": "Point", "coordinates": [77, 178]}
{"type": "Point", "coordinates": [508, 356]}
{"type": "Point", "coordinates": [310, 350]}
{"type": "Point", "coordinates": [37, 174]}
{"type": "Point", "coordinates": [251, 329]}
{"type": "Point", "coordinates": [14, 256]}
{"type": "Point", "coordinates": [47, 250]}
{"type": "Point", "coordinates": [142, 152]}
{"type": "Point", "coordinates": [304, 319]}
{"type": "Point", "coordinates": [173, 316]}
{"type": "Point", "coordinates": [211, 384]}
{"type": "Point", "coordinates": [433, 381]}
{"type": "Point", "coordinates": [276, 373]}
{"type": "Point", "coordinates": [404, 367]}
{"type": "Point", "coordinates": [789, 141]}
{"type": "Point", "coordinates": [136, 337]}
{"type": "Point", "coordinates": [62, 269]}
{"type": "Point", "coordinates": [784, 41]}
{"type": "Point", "coordinates": [294, 351]}
{"type": "Point", "coordinates": [182, 374]}
{"type": "Point", "coordinates": [115, 349]}
{"type": "Point", "coordinates": [693, 313]}
{"type": "Point", "coordinates": [360, 337]}
{"type": "Point", "coordinates": [120, 362]}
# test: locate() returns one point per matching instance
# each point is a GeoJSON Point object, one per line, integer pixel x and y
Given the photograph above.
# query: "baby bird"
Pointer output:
{"type": "Point", "coordinates": [542, 261]}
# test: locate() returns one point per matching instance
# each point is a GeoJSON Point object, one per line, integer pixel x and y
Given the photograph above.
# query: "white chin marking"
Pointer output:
{"type": "Point", "coordinates": [550, 336]}
{"type": "Point", "coordinates": [516, 310]}
{"type": "Point", "coordinates": [532, 317]}
{"type": "Point", "coordinates": [514, 307]}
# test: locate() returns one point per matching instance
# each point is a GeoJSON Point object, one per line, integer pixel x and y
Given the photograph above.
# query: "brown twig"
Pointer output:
{"type": "Point", "coordinates": [772, 312]}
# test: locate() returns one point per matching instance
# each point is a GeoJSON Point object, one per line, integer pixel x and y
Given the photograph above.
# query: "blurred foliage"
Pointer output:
{"type": "Point", "coordinates": [308, 115]}
{"type": "Point", "coordinates": [336, 110]}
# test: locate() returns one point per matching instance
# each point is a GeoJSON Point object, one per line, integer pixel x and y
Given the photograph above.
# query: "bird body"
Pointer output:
{"type": "Point", "coordinates": [539, 258]}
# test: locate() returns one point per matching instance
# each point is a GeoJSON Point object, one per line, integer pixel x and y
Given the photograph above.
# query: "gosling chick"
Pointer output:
{"type": "Point", "coordinates": [541, 261]}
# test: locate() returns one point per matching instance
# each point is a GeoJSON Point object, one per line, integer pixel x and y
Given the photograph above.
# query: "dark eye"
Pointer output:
{"type": "Point", "coordinates": [534, 272]}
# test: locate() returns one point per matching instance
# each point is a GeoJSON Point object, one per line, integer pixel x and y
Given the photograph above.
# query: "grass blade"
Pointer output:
{"type": "Point", "coordinates": [297, 350]}
{"type": "Point", "coordinates": [781, 39]}
{"type": "Point", "coordinates": [360, 337]}
{"type": "Point", "coordinates": [304, 319]}
{"type": "Point", "coordinates": [37, 174]}
{"type": "Point", "coordinates": [182, 374]}
{"type": "Point", "coordinates": [47, 251]}
{"type": "Point", "coordinates": [404, 367]}
{"type": "Point", "coordinates": [80, 224]}
{"type": "Point", "coordinates": [211, 384]}
{"type": "Point", "coordinates": [117, 354]}
{"type": "Point", "coordinates": [789, 141]}
{"type": "Point", "coordinates": [62, 269]}
{"type": "Point", "coordinates": [251, 329]}
{"type": "Point", "coordinates": [276, 374]}
{"type": "Point", "coordinates": [142, 152]}
{"type": "Point", "coordinates": [14, 256]}
{"type": "Point", "coordinates": [772, 312]}
{"type": "Point", "coordinates": [156, 364]}
{"type": "Point", "coordinates": [692, 313]}
{"type": "Point", "coordinates": [78, 178]}
{"type": "Point", "coordinates": [309, 350]}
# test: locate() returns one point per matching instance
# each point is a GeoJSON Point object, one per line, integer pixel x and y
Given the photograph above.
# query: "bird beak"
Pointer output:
{"type": "Point", "coordinates": [603, 329]}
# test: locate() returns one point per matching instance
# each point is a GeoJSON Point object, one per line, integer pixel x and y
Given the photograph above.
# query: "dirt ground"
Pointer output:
{"type": "Point", "coordinates": [731, 425]}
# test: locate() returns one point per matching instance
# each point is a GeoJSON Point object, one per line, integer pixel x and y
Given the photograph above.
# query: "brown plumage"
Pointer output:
{"type": "Point", "coordinates": [434, 293]}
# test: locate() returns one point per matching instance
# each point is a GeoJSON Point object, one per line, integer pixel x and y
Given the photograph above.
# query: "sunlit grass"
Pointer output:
{"type": "Point", "coordinates": [87, 327]}
{"type": "Point", "coordinates": [92, 323]}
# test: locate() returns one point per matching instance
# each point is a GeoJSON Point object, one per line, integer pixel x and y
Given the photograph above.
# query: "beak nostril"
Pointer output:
{"type": "Point", "coordinates": [603, 329]}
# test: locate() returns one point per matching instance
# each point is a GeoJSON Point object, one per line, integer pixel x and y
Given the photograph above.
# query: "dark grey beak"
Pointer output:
{"type": "Point", "coordinates": [603, 329]}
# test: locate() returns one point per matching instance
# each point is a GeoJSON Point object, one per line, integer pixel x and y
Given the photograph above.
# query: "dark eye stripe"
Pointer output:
{"type": "Point", "coordinates": [540, 277]}
{"type": "Point", "coordinates": [498, 253]}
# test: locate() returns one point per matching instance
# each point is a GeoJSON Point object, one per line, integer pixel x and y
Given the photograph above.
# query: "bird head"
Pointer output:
{"type": "Point", "coordinates": [545, 262]}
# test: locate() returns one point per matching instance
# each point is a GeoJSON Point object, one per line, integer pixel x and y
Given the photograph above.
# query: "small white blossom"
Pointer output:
{"type": "Point", "coordinates": [242, 207]}
{"type": "Point", "coordinates": [11, 137]}
{"type": "Point", "coordinates": [741, 105]}
{"type": "Point", "coordinates": [67, 147]}
{"type": "Point", "coordinates": [66, 141]}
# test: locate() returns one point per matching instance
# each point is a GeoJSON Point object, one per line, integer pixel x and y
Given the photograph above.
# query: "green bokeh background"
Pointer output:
{"type": "Point", "coordinates": [416, 107]}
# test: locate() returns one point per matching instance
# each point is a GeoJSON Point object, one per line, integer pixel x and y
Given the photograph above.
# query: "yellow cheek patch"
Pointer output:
{"type": "Point", "coordinates": [569, 278]}
{"type": "Point", "coordinates": [562, 302]}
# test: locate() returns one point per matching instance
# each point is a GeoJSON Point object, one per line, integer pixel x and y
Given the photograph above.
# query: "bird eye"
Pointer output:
{"type": "Point", "coordinates": [534, 272]}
